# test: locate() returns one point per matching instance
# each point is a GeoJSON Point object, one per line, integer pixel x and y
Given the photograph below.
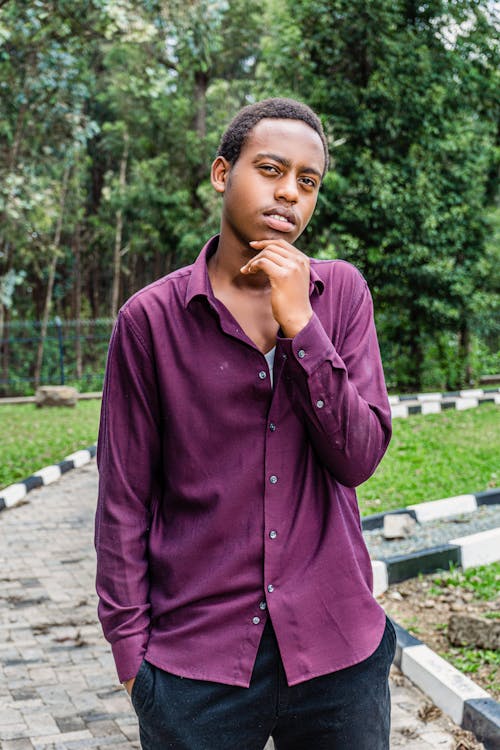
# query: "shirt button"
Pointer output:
{"type": "Point", "coordinates": [320, 404]}
{"type": "Point", "coordinates": [273, 534]}
{"type": "Point", "coordinates": [301, 353]}
{"type": "Point", "coordinates": [262, 605]}
{"type": "Point", "coordinates": [270, 588]}
{"type": "Point", "coordinates": [273, 479]}
{"type": "Point", "coordinates": [256, 620]}
{"type": "Point", "coordinates": [272, 427]}
{"type": "Point", "coordinates": [262, 375]}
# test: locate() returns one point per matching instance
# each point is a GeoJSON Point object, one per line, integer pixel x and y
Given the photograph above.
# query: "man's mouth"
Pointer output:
{"type": "Point", "coordinates": [278, 217]}
{"type": "Point", "coordinates": [282, 221]}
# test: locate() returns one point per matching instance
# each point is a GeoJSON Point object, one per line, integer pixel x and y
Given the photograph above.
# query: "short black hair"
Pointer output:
{"type": "Point", "coordinates": [247, 118]}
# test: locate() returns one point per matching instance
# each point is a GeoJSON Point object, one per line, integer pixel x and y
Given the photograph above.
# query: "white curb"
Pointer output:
{"type": "Point", "coordinates": [479, 549]}
{"type": "Point", "coordinates": [49, 474]}
{"type": "Point", "coordinates": [431, 407]}
{"type": "Point", "coordinates": [461, 404]}
{"type": "Point", "coordinates": [380, 577]}
{"type": "Point", "coordinates": [449, 506]}
{"type": "Point", "coordinates": [79, 458]}
{"type": "Point", "coordinates": [445, 685]}
{"type": "Point", "coordinates": [13, 494]}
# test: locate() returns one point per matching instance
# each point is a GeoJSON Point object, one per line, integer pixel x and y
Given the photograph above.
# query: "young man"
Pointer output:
{"type": "Point", "coordinates": [244, 400]}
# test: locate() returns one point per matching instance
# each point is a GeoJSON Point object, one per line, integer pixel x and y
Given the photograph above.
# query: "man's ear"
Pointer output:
{"type": "Point", "coordinates": [219, 174]}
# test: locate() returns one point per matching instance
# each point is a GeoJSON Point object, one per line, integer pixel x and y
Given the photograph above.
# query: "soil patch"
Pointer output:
{"type": "Point", "coordinates": [424, 607]}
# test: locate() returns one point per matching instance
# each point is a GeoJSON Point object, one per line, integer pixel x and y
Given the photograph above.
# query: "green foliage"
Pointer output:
{"type": "Point", "coordinates": [409, 97]}
{"type": "Point", "coordinates": [407, 94]}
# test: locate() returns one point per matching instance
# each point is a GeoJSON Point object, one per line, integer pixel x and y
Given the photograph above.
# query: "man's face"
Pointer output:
{"type": "Point", "coordinates": [270, 192]}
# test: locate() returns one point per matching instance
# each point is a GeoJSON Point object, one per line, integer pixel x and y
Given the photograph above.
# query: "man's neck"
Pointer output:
{"type": "Point", "coordinates": [225, 264]}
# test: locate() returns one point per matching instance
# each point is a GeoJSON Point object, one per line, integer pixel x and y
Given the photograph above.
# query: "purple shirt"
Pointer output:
{"type": "Point", "coordinates": [223, 501]}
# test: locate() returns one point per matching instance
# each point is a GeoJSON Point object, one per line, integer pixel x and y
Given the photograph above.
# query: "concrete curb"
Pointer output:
{"type": "Point", "coordinates": [436, 509]}
{"type": "Point", "coordinates": [466, 552]}
{"type": "Point", "coordinates": [458, 696]}
{"type": "Point", "coordinates": [425, 397]}
{"type": "Point", "coordinates": [14, 494]}
{"type": "Point", "coordinates": [433, 403]}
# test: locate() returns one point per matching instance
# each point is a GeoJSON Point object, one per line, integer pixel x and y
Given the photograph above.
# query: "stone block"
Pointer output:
{"type": "Point", "coordinates": [398, 525]}
{"type": "Point", "coordinates": [56, 395]}
{"type": "Point", "coordinates": [471, 630]}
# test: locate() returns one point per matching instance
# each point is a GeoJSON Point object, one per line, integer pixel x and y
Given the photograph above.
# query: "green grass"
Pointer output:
{"type": "Point", "coordinates": [436, 456]}
{"type": "Point", "coordinates": [470, 660]}
{"type": "Point", "coordinates": [32, 438]}
{"type": "Point", "coordinates": [483, 581]}
{"type": "Point", "coordinates": [430, 457]}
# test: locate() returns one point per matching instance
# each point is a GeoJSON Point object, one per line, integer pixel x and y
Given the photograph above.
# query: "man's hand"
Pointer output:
{"type": "Point", "coordinates": [288, 271]}
{"type": "Point", "coordinates": [128, 685]}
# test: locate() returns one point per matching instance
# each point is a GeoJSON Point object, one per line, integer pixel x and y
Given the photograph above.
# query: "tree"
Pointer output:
{"type": "Point", "coordinates": [407, 92]}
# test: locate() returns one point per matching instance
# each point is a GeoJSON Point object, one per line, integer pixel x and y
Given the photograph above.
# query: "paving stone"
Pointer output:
{"type": "Point", "coordinates": [14, 731]}
{"type": "Point", "coordinates": [69, 723]}
{"type": "Point", "coordinates": [40, 723]}
{"type": "Point", "coordinates": [436, 739]}
{"type": "Point", "coordinates": [10, 716]}
{"type": "Point", "coordinates": [22, 744]}
{"type": "Point", "coordinates": [105, 728]}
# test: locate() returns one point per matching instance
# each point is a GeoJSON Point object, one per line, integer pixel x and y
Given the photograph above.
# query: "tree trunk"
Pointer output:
{"type": "Point", "coordinates": [416, 357]}
{"type": "Point", "coordinates": [201, 81]}
{"type": "Point", "coordinates": [464, 348]}
{"type": "Point", "coordinates": [11, 164]}
{"type": "Point", "coordinates": [78, 302]}
{"type": "Point", "coordinates": [50, 283]}
{"type": "Point", "coordinates": [117, 255]}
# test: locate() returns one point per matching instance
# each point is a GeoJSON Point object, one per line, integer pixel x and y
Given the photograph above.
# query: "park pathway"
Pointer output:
{"type": "Point", "coordinates": [58, 686]}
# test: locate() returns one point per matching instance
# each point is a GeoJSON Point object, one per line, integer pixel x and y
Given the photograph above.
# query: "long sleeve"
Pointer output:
{"type": "Point", "coordinates": [342, 395]}
{"type": "Point", "coordinates": [128, 460]}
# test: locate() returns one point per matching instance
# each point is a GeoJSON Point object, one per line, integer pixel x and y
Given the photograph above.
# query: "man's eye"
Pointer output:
{"type": "Point", "coordinates": [269, 168]}
{"type": "Point", "coordinates": [308, 182]}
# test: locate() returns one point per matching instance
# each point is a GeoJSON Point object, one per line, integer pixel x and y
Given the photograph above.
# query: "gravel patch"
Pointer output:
{"type": "Point", "coordinates": [434, 533]}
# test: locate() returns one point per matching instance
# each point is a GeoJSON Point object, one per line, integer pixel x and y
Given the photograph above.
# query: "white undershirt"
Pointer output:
{"type": "Point", "coordinates": [270, 362]}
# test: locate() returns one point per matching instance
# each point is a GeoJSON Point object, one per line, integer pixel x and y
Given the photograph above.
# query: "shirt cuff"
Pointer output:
{"type": "Point", "coordinates": [128, 654]}
{"type": "Point", "coordinates": [311, 347]}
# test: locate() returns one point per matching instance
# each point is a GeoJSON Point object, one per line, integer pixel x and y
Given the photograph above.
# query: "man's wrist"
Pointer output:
{"type": "Point", "coordinates": [292, 327]}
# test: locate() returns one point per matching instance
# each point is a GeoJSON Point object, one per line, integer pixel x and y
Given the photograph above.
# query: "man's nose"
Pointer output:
{"type": "Point", "coordinates": [287, 189]}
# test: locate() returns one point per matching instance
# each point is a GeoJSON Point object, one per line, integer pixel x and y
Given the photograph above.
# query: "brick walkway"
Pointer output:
{"type": "Point", "coordinates": [58, 686]}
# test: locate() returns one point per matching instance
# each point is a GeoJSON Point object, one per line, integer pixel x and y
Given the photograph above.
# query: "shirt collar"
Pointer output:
{"type": "Point", "coordinates": [199, 283]}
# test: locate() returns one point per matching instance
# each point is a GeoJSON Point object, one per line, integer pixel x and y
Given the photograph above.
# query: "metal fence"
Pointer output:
{"type": "Point", "coordinates": [74, 354]}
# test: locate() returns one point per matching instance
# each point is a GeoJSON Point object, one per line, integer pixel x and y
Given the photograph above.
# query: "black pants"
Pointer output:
{"type": "Point", "coordinates": [344, 710]}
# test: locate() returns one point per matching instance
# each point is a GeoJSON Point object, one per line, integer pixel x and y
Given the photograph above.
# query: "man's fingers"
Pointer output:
{"type": "Point", "coordinates": [279, 260]}
{"type": "Point", "coordinates": [281, 256]}
{"type": "Point", "coordinates": [280, 246]}
{"type": "Point", "coordinates": [268, 265]}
